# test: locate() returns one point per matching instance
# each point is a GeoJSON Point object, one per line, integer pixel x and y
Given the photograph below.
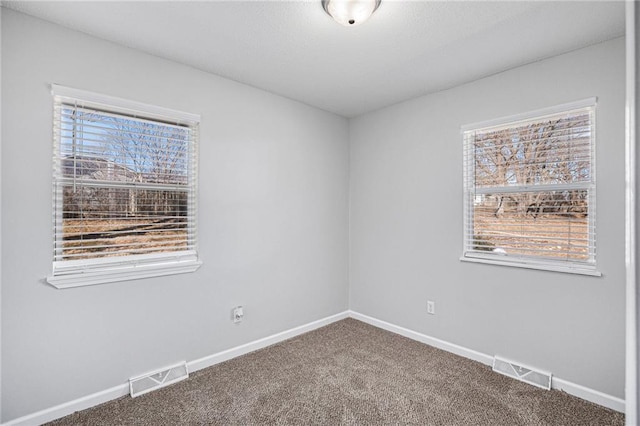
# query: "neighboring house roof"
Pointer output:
{"type": "Point", "coordinates": [98, 168]}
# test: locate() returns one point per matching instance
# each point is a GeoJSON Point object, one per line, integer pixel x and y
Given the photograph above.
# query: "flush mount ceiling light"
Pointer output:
{"type": "Point", "coordinates": [350, 12]}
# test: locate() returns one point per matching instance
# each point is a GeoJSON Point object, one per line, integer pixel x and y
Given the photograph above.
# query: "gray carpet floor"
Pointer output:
{"type": "Point", "coordinates": [348, 373]}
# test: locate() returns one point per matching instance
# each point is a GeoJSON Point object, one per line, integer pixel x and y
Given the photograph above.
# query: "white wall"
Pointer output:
{"type": "Point", "coordinates": [273, 207]}
{"type": "Point", "coordinates": [406, 225]}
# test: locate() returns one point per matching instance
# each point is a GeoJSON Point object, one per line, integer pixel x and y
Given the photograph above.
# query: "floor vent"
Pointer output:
{"type": "Point", "coordinates": [157, 379]}
{"type": "Point", "coordinates": [535, 377]}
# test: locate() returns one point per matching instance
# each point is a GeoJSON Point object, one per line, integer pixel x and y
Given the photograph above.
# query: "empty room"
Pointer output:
{"type": "Point", "coordinates": [332, 212]}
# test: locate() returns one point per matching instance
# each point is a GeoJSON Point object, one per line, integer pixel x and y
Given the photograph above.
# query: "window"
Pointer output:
{"type": "Point", "coordinates": [124, 190]}
{"type": "Point", "coordinates": [529, 190]}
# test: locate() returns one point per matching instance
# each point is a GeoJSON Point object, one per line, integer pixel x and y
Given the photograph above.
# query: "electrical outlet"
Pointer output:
{"type": "Point", "coordinates": [238, 314]}
{"type": "Point", "coordinates": [431, 307]}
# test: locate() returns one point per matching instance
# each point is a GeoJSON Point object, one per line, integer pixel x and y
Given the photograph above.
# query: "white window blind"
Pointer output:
{"type": "Point", "coordinates": [124, 189]}
{"type": "Point", "coordinates": [529, 188]}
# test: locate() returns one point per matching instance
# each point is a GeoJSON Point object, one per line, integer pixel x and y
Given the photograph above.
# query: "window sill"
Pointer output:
{"type": "Point", "coordinates": [125, 273]}
{"type": "Point", "coordinates": [543, 266]}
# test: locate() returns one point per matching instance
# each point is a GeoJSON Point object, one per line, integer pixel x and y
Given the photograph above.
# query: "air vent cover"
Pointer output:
{"type": "Point", "coordinates": [157, 379]}
{"type": "Point", "coordinates": [535, 377]}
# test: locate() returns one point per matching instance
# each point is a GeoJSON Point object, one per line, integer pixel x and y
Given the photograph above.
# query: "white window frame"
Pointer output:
{"type": "Point", "coordinates": [470, 191]}
{"type": "Point", "coordinates": [83, 272]}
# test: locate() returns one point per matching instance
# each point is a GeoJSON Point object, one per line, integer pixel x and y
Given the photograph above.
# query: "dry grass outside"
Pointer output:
{"type": "Point", "coordinates": [91, 238]}
{"type": "Point", "coordinates": [552, 236]}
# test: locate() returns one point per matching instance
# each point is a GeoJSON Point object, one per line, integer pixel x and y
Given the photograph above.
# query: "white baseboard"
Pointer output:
{"type": "Point", "coordinates": [214, 359]}
{"type": "Point", "coordinates": [574, 389]}
{"type": "Point", "coordinates": [423, 338]}
{"type": "Point", "coordinates": [92, 400]}
{"type": "Point", "coordinates": [70, 407]}
{"type": "Point", "coordinates": [115, 392]}
{"type": "Point", "coordinates": [589, 394]}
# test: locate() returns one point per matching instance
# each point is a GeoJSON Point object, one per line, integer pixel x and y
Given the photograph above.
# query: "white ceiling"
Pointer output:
{"type": "Point", "coordinates": [406, 49]}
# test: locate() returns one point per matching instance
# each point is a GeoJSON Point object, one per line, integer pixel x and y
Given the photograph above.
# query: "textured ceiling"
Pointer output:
{"type": "Point", "coordinates": [406, 49]}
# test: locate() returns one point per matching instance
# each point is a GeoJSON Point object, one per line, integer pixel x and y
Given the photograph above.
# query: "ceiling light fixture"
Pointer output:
{"type": "Point", "coordinates": [350, 12]}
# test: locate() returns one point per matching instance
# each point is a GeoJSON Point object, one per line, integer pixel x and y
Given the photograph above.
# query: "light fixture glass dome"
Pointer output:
{"type": "Point", "coordinates": [350, 12]}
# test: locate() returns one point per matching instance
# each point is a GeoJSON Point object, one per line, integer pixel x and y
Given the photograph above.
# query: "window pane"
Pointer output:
{"type": "Point", "coordinates": [549, 224]}
{"type": "Point", "coordinates": [544, 152]}
{"type": "Point", "coordinates": [99, 222]}
{"type": "Point", "coordinates": [108, 147]}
